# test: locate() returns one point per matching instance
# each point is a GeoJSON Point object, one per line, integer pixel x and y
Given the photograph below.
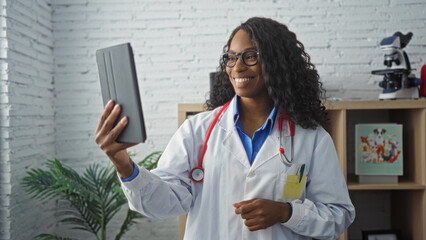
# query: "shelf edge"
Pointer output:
{"type": "Point", "coordinates": [386, 186]}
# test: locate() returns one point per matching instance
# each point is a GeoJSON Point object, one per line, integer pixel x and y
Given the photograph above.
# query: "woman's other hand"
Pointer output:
{"type": "Point", "coordinates": [106, 136]}
{"type": "Point", "coordinates": [262, 213]}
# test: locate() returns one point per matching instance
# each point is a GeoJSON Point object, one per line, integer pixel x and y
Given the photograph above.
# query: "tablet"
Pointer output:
{"type": "Point", "coordinates": [117, 74]}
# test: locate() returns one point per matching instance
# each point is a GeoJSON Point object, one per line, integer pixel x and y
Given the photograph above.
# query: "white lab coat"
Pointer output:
{"type": "Point", "coordinates": [323, 211]}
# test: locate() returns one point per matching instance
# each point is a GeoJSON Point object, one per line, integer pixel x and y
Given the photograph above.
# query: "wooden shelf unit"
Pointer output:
{"type": "Point", "coordinates": [408, 196]}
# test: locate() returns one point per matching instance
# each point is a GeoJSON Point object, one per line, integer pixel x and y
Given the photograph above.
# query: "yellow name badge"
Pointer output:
{"type": "Point", "coordinates": [294, 186]}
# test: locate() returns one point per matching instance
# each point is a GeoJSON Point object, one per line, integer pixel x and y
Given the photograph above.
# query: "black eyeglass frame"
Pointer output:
{"type": "Point", "coordinates": [237, 56]}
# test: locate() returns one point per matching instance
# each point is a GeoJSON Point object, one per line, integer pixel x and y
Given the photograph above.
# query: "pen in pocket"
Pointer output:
{"type": "Point", "coordinates": [300, 172]}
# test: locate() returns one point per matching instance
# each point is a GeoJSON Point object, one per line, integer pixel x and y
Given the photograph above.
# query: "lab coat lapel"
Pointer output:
{"type": "Point", "coordinates": [271, 146]}
{"type": "Point", "coordinates": [232, 142]}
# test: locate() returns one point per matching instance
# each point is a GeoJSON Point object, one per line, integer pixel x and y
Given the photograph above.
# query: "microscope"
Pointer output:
{"type": "Point", "coordinates": [398, 81]}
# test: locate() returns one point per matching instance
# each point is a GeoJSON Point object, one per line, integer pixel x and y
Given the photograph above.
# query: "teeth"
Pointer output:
{"type": "Point", "coordinates": [239, 80]}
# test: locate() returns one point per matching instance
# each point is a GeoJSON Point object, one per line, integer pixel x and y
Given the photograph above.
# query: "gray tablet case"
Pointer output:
{"type": "Point", "coordinates": [119, 82]}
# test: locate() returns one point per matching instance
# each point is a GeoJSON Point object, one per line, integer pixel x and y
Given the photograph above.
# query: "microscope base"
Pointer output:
{"type": "Point", "coordinates": [403, 93]}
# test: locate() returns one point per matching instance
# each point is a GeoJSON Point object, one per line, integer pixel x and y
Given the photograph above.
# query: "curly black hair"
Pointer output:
{"type": "Point", "coordinates": [291, 79]}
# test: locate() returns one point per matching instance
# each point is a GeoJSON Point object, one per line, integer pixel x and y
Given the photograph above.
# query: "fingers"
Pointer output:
{"type": "Point", "coordinates": [106, 140]}
{"type": "Point", "coordinates": [253, 214]}
{"type": "Point", "coordinates": [105, 133]}
{"type": "Point", "coordinates": [105, 114]}
{"type": "Point", "coordinates": [110, 120]}
{"type": "Point", "coordinates": [244, 206]}
{"type": "Point", "coordinates": [113, 134]}
{"type": "Point", "coordinates": [251, 210]}
{"type": "Point", "coordinates": [262, 213]}
{"type": "Point", "coordinates": [254, 224]}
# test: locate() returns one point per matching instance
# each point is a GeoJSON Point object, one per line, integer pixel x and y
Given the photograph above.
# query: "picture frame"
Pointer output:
{"type": "Point", "coordinates": [391, 234]}
{"type": "Point", "coordinates": [379, 149]}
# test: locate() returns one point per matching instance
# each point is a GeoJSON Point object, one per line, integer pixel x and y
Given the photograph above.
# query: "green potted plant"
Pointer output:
{"type": "Point", "coordinates": [93, 198]}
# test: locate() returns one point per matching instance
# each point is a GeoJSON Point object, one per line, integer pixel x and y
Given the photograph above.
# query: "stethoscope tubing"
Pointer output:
{"type": "Point", "coordinates": [209, 131]}
{"type": "Point", "coordinates": [199, 170]}
{"type": "Point", "coordinates": [283, 155]}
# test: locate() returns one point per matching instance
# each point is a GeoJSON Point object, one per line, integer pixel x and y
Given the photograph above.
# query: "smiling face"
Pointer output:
{"type": "Point", "coordinates": [247, 81]}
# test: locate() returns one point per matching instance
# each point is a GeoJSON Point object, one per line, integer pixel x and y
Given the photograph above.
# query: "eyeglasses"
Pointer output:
{"type": "Point", "coordinates": [249, 57]}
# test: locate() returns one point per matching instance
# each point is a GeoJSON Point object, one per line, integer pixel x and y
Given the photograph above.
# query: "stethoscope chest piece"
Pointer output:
{"type": "Point", "coordinates": [197, 174]}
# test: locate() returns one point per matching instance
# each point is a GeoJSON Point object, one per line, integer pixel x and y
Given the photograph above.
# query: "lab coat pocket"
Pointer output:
{"type": "Point", "coordinates": [279, 187]}
{"type": "Point", "coordinates": [291, 183]}
{"type": "Point", "coordinates": [294, 186]}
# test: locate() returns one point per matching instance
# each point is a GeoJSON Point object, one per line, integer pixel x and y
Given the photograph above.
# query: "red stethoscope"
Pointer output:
{"type": "Point", "coordinates": [197, 173]}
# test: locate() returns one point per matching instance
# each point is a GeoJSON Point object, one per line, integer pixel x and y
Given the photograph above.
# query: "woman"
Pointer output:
{"type": "Point", "coordinates": [260, 182]}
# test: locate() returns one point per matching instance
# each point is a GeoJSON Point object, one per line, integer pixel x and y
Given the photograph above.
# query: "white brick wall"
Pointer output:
{"type": "Point", "coordinates": [4, 123]}
{"type": "Point", "coordinates": [27, 112]}
{"type": "Point", "coordinates": [176, 44]}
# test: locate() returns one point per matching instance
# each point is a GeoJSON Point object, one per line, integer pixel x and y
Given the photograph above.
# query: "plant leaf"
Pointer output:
{"type": "Point", "coordinates": [130, 220]}
{"type": "Point", "coordinates": [150, 161]}
{"type": "Point", "coordinates": [91, 200]}
{"type": "Point", "coordinates": [46, 236]}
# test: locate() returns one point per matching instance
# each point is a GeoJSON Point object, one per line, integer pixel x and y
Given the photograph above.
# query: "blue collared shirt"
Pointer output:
{"type": "Point", "coordinates": [252, 146]}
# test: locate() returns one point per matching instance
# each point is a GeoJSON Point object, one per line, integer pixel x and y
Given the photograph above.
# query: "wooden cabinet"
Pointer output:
{"type": "Point", "coordinates": [401, 205]}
